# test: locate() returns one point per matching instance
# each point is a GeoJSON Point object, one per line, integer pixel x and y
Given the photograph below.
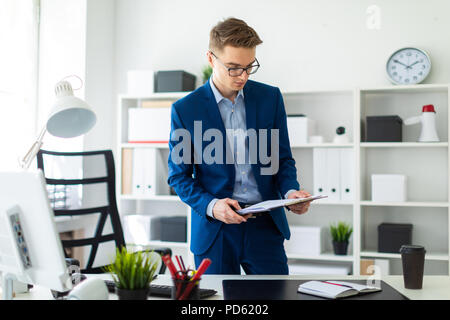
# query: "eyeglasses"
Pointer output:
{"type": "Point", "coordinates": [236, 72]}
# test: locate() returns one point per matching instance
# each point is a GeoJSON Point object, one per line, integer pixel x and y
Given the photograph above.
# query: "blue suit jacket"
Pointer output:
{"type": "Point", "coordinates": [198, 184]}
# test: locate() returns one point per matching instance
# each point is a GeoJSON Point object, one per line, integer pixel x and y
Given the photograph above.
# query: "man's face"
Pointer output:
{"type": "Point", "coordinates": [231, 57]}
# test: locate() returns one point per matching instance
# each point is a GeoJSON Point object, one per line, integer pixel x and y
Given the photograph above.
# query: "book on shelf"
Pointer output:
{"type": "Point", "coordinates": [148, 173]}
{"type": "Point", "coordinates": [335, 289]}
{"type": "Point", "coordinates": [157, 103]}
{"type": "Point", "coordinates": [127, 171]}
{"type": "Point", "coordinates": [370, 267]}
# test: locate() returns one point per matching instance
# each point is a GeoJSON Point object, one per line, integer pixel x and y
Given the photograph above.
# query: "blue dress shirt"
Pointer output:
{"type": "Point", "coordinates": [233, 117]}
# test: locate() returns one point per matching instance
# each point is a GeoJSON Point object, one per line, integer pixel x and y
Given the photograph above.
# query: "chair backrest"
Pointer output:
{"type": "Point", "coordinates": [82, 188]}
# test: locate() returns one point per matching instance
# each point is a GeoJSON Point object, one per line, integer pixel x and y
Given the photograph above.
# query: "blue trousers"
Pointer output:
{"type": "Point", "coordinates": [256, 245]}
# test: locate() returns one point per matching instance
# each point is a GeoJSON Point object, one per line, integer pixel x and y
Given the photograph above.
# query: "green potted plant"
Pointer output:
{"type": "Point", "coordinates": [340, 235]}
{"type": "Point", "coordinates": [206, 72]}
{"type": "Point", "coordinates": [132, 273]}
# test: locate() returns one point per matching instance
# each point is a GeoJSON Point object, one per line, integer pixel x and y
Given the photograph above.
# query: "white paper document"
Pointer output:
{"type": "Point", "coordinates": [335, 289]}
{"type": "Point", "coordinates": [273, 204]}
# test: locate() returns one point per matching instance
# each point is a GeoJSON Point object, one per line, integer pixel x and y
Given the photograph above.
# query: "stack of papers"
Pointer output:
{"type": "Point", "coordinates": [273, 204]}
{"type": "Point", "coordinates": [335, 289]}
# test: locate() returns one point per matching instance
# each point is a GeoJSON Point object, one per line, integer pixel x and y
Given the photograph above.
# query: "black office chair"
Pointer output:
{"type": "Point", "coordinates": [72, 196]}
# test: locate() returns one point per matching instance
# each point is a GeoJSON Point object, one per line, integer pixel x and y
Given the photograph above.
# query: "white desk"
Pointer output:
{"type": "Point", "coordinates": [434, 287]}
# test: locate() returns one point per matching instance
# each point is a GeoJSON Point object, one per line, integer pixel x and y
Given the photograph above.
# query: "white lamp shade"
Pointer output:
{"type": "Point", "coordinates": [70, 116]}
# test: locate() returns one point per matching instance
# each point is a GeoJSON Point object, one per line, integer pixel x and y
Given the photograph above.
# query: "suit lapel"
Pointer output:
{"type": "Point", "coordinates": [214, 120]}
{"type": "Point", "coordinates": [250, 106]}
{"type": "Point", "coordinates": [212, 109]}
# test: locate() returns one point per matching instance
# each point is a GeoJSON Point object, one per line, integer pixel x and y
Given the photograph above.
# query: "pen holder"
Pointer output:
{"type": "Point", "coordinates": [185, 289]}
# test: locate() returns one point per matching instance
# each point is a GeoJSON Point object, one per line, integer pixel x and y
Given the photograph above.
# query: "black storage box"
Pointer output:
{"type": "Point", "coordinates": [391, 236]}
{"type": "Point", "coordinates": [384, 129]}
{"type": "Point", "coordinates": [173, 229]}
{"type": "Point", "coordinates": [174, 81]}
{"type": "Point", "coordinates": [155, 228]}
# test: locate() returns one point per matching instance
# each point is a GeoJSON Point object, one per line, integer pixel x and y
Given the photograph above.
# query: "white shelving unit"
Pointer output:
{"type": "Point", "coordinates": [160, 204]}
{"type": "Point", "coordinates": [425, 164]}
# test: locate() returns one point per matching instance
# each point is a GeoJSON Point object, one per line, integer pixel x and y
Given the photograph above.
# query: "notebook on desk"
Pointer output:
{"type": "Point", "coordinates": [282, 289]}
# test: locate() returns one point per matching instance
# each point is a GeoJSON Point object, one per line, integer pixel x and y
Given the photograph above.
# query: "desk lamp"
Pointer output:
{"type": "Point", "coordinates": [70, 117]}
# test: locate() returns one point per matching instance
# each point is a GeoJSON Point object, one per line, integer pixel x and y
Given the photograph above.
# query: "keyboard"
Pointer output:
{"type": "Point", "coordinates": [162, 290]}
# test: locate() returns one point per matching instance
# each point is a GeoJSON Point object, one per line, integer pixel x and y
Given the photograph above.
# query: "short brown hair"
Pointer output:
{"type": "Point", "coordinates": [233, 32]}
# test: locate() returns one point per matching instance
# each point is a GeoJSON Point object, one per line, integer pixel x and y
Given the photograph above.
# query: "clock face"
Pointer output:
{"type": "Point", "coordinates": [408, 66]}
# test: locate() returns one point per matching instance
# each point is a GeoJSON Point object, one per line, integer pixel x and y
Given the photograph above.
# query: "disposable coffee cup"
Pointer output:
{"type": "Point", "coordinates": [413, 260]}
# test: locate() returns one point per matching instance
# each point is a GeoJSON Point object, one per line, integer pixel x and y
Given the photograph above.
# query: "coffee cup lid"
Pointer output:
{"type": "Point", "coordinates": [409, 248]}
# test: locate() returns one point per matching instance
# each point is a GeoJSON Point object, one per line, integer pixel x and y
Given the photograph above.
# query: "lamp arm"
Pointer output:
{"type": "Point", "coordinates": [32, 152]}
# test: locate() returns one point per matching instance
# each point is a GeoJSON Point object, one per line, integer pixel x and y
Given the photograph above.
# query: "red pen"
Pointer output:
{"type": "Point", "coordinates": [182, 271]}
{"type": "Point", "coordinates": [182, 263]}
{"type": "Point", "coordinates": [169, 264]}
{"type": "Point", "coordinates": [179, 264]}
{"type": "Point", "coordinates": [201, 269]}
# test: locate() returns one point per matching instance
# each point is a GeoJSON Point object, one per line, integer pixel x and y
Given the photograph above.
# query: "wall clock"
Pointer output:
{"type": "Point", "coordinates": [408, 66]}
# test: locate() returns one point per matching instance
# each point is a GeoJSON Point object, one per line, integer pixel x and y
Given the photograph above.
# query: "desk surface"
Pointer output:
{"type": "Point", "coordinates": [434, 287]}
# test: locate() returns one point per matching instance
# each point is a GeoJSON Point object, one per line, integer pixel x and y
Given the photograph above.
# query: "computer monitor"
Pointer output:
{"type": "Point", "coordinates": [30, 247]}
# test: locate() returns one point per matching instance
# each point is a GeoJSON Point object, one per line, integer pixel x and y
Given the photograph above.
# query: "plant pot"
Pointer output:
{"type": "Point", "coordinates": [139, 294]}
{"type": "Point", "coordinates": [340, 248]}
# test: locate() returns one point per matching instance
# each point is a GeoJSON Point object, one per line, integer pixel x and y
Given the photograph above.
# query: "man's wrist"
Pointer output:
{"type": "Point", "coordinates": [209, 208]}
{"type": "Point", "coordinates": [286, 195]}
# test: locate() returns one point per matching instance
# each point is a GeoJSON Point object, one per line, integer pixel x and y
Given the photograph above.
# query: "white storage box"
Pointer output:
{"type": "Point", "coordinates": [318, 269]}
{"type": "Point", "coordinates": [149, 125]}
{"type": "Point", "coordinates": [305, 241]}
{"type": "Point", "coordinates": [140, 82]}
{"type": "Point", "coordinates": [140, 228]}
{"type": "Point", "coordinates": [299, 129]}
{"type": "Point", "coordinates": [388, 188]}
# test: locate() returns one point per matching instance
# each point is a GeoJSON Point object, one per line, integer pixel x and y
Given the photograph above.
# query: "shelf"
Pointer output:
{"type": "Point", "coordinates": [150, 198]}
{"type": "Point", "coordinates": [417, 88]}
{"type": "Point", "coordinates": [158, 243]}
{"type": "Point", "coordinates": [434, 204]}
{"type": "Point", "coordinates": [326, 256]}
{"type": "Point", "coordinates": [428, 256]}
{"type": "Point", "coordinates": [325, 202]}
{"type": "Point", "coordinates": [318, 92]}
{"type": "Point", "coordinates": [157, 95]}
{"type": "Point", "coordinates": [403, 144]}
{"type": "Point", "coordinates": [144, 145]}
{"type": "Point", "coordinates": [347, 107]}
{"type": "Point", "coordinates": [323, 145]}
{"type": "Point", "coordinates": [306, 145]}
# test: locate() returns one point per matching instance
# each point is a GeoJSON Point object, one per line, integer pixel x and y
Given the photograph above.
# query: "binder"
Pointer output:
{"type": "Point", "coordinates": [138, 172]}
{"type": "Point", "coordinates": [333, 183]}
{"type": "Point", "coordinates": [333, 173]}
{"type": "Point", "coordinates": [347, 175]}
{"type": "Point", "coordinates": [155, 173]}
{"type": "Point", "coordinates": [320, 171]}
{"type": "Point", "coordinates": [161, 173]}
{"type": "Point", "coordinates": [370, 266]}
{"type": "Point", "coordinates": [127, 171]}
{"type": "Point", "coordinates": [157, 104]}
{"type": "Point", "coordinates": [149, 157]}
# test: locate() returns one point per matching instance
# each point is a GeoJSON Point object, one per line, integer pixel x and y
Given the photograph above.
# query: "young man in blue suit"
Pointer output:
{"type": "Point", "coordinates": [217, 167]}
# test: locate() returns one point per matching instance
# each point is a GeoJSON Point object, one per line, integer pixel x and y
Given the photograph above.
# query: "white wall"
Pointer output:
{"type": "Point", "coordinates": [308, 45]}
{"type": "Point", "coordinates": [100, 71]}
{"type": "Point", "coordinates": [62, 39]}
{"type": "Point", "coordinates": [316, 44]}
